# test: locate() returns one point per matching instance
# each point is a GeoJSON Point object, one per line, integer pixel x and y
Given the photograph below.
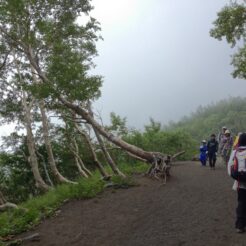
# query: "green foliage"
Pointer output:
{"type": "Point", "coordinates": [133, 168]}
{"type": "Point", "coordinates": [239, 62]}
{"type": "Point", "coordinates": [118, 125]}
{"type": "Point", "coordinates": [123, 182]}
{"type": "Point", "coordinates": [158, 140]}
{"type": "Point", "coordinates": [231, 25]}
{"type": "Point", "coordinates": [61, 47]}
{"type": "Point", "coordinates": [43, 206]}
{"type": "Point", "coordinates": [210, 119]}
{"type": "Point", "coordinates": [16, 179]}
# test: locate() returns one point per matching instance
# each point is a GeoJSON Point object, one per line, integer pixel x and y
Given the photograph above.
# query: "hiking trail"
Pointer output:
{"type": "Point", "coordinates": [195, 207]}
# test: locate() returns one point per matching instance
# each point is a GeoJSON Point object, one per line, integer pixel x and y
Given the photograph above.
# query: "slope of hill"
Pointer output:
{"type": "Point", "coordinates": [210, 119]}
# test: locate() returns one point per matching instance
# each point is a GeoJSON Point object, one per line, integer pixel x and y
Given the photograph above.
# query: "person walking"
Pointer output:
{"type": "Point", "coordinates": [227, 147]}
{"type": "Point", "coordinates": [212, 148]}
{"type": "Point", "coordinates": [221, 138]}
{"type": "Point", "coordinates": [203, 153]}
{"type": "Point", "coordinates": [237, 170]}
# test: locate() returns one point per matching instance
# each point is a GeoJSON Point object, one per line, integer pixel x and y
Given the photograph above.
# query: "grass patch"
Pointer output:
{"type": "Point", "coordinates": [40, 207]}
{"type": "Point", "coordinates": [136, 168]}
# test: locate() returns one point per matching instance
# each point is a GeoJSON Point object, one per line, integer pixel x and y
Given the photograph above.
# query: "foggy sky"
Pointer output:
{"type": "Point", "coordinates": [158, 59]}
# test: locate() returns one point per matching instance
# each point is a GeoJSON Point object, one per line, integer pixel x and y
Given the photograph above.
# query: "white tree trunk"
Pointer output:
{"type": "Point", "coordinates": [45, 168]}
{"type": "Point", "coordinates": [79, 158]}
{"type": "Point", "coordinates": [45, 123]}
{"type": "Point", "coordinates": [30, 139]}
{"type": "Point", "coordinates": [106, 154]}
{"type": "Point", "coordinates": [81, 171]}
{"type": "Point", "coordinates": [31, 146]}
{"type": "Point", "coordinates": [149, 156]}
{"type": "Point", "coordinates": [94, 156]}
{"type": "Point", "coordinates": [59, 178]}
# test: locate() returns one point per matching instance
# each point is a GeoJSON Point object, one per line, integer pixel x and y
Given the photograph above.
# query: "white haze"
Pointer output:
{"type": "Point", "coordinates": [158, 59]}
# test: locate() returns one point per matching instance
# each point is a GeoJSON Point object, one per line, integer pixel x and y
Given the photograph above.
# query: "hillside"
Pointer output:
{"type": "Point", "coordinates": [209, 119]}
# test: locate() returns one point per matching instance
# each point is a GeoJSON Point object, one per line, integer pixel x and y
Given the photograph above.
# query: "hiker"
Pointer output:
{"type": "Point", "coordinates": [221, 138]}
{"type": "Point", "coordinates": [227, 146]}
{"type": "Point", "coordinates": [203, 153]}
{"type": "Point", "coordinates": [212, 148]}
{"type": "Point", "coordinates": [237, 170]}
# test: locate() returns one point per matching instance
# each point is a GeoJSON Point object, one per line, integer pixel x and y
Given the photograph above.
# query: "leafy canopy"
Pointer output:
{"type": "Point", "coordinates": [231, 25]}
{"type": "Point", "coordinates": [63, 47]}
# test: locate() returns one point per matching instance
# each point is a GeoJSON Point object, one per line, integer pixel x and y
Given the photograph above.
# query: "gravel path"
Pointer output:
{"type": "Point", "coordinates": [195, 207]}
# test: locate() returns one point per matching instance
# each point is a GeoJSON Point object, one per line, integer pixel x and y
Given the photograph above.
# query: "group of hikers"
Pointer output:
{"type": "Point", "coordinates": [221, 146]}
{"type": "Point", "coordinates": [234, 156]}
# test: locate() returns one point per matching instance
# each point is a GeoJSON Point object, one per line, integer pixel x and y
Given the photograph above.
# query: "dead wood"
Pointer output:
{"type": "Point", "coordinates": [8, 205]}
{"type": "Point", "coordinates": [160, 168]}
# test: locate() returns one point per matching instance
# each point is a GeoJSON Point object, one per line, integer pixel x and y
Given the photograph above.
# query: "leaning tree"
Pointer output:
{"type": "Point", "coordinates": [59, 48]}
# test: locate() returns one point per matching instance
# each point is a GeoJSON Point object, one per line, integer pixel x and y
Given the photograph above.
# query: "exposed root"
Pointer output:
{"type": "Point", "coordinates": [161, 166]}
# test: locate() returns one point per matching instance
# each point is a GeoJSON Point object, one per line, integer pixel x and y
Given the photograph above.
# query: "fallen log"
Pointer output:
{"type": "Point", "coordinates": [160, 168]}
{"type": "Point", "coordinates": [8, 205]}
{"type": "Point", "coordinates": [177, 155]}
{"type": "Point", "coordinates": [33, 238]}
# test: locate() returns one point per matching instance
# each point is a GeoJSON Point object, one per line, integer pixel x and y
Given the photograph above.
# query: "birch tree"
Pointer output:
{"type": "Point", "coordinates": [60, 49]}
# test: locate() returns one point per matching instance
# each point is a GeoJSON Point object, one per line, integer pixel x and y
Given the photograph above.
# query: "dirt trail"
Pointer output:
{"type": "Point", "coordinates": [195, 207]}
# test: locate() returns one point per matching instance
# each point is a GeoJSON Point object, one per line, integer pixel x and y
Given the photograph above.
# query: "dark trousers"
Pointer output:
{"type": "Point", "coordinates": [241, 209]}
{"type": "Point", "coordinates": [212, 159]}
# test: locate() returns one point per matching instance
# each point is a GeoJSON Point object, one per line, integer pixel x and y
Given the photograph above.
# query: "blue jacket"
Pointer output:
{"type": "Point", "coordinates": [203, 150]}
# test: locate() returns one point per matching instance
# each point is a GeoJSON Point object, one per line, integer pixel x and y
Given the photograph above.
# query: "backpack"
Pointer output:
{"type": "Point", "coordinates": [240, 176]}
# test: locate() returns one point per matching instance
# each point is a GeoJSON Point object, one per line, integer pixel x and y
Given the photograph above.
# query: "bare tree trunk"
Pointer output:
{"type": "Point", "coordinates": [45, 168]}
{"type": "Point", "coordinates": [149, 156]}
{"type": "Point", "coordinates": [79, 158]}
{"type": "Point", "coordinates": [94, 156]}
{"type": "Point", "coordinates": [31, 147]}
{"type": "Point", "coordinates": [81, 171]}
{"type": "Point", "coordinates": [51, 159]}
{"type": "Point", "coordinates": [30, 139]}
{"type": "Point", "coordinates": [74, 150]}
{"type": "Point", "coordinates": [107, 156]}
{"type": "Point", "coordinates": [45, 123]}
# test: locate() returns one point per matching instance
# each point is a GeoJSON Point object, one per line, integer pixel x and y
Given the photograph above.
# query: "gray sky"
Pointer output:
{"type": "Point", "coordinates": [158, 59]}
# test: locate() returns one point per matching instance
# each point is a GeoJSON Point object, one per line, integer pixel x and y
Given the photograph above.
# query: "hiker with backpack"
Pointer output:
{"type": "Point", "coordinates": [237, 170]}
{"type": "Point", "coordinates": [203, 153]}
{"type": "Point", "coordinates": [212, 148]}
